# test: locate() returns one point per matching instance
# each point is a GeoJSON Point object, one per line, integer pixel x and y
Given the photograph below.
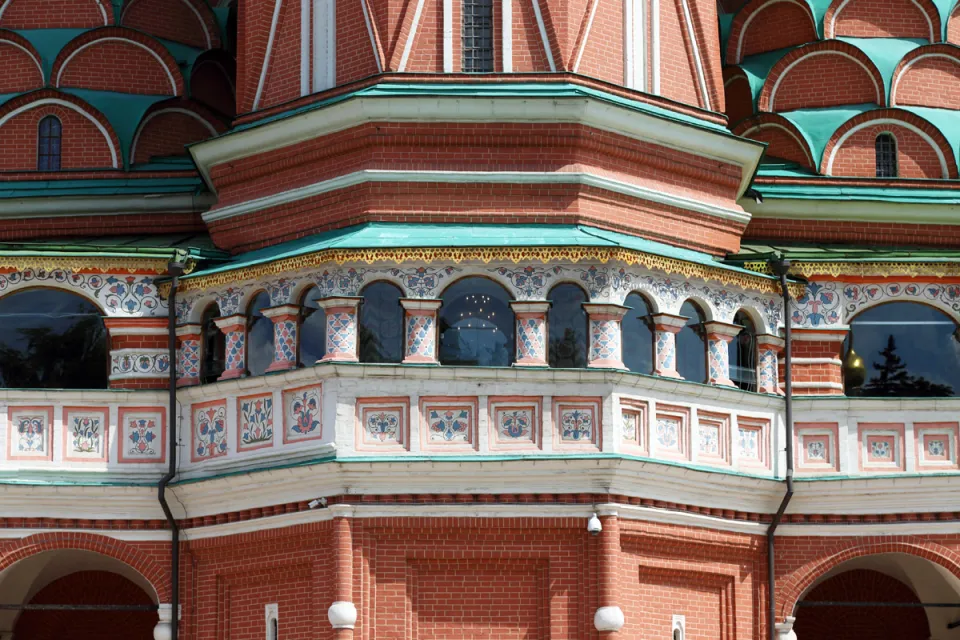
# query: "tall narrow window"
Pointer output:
{"type": "Point", "coordinates": [743, 354]}
{"type": "Point", "coordinates": [478, 36]}
{"type": "Point", "coordinates": [48, 144]}
{"type": "Point", "coordinates": [567, 325]}
{"type": "Point", "coordinates": [381, 323]}
{"type": "Point", "coordinates": [692, 345]}
{"type": "Point", "coordinates": [259, 336]}
{"type": "Point", "coordinates": [886, 147]}
{"type": "Point", "coordinates": [637, 327]}
{"type": "Point", "coordinates": [313, 328]}
{"type": "Point", "coordinates": [213, 363]}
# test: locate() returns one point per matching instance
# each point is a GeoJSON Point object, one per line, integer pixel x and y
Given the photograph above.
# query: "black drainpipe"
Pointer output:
{"type": "Point", "coordinates": [780, 267]}
{"type": "Point", "coordinates": [175, 268]}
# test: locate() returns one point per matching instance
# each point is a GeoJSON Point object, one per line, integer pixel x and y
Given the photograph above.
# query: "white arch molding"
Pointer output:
{"type": "Point", "coordinates": [783, 74]}
{"type": "Point", "coordinates": [103, 11]}
{"type": "Point", "coordinates": [896, 80]}
{"type": "Point", "coordinates": [72, 107]}
{"type": "Point", "coordinates": [746, 23]}
{"type": "Point", "coordinates": [833, 19]}
{"type": "Point", "coordinates": [170, 77]}
{"type": "Point", "coordinates": [193, 9]}
{"type": "Point", "coordinates": [776, 125]}
{"type": "Point", "coordinates": [143, 125]}
{"type": "Point", "coordinates": [945, 171]}
{"type": "Point", "coordinates": [36, 60]}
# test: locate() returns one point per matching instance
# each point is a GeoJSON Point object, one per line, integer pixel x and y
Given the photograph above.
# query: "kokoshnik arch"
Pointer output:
{"type": "Point", "coordinates": [639, 316]}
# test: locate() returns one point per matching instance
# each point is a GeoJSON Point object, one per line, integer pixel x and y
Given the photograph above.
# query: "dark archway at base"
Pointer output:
{"type": "Point", "coordinates": [857, 623]}
{"type": "Point", "coordinates": [88, 587]}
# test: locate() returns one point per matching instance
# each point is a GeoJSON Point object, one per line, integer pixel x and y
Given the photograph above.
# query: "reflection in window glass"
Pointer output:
{"type": "Point", "coordinates": [51, 339]}
{"type": "Point", "coordinates": [381, 323]}
{"type": "Point", "coordinates": [907, 349]}
{"type": "Point", "coordinates": [567, 322]}
{"type": "Point", "coordinates": [49, 144]}
{"type": "Point", "coordinates": [476, 324]}
{"type": "Point", "coordinates": [313, 329]}
{"type": "Point", "coordinates": [638, 335]}
{"type": "Point", "coordinates": [742, 351]}
{"type": "Point", "coordinates": [214, 346]}
{"type": "Point", "coordinates": [692, 345]}
{"type": "Point", "coordinates": [259, 336]}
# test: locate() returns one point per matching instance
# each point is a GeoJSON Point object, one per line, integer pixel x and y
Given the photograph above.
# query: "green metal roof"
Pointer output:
{"type": "Point", "coordinates": [885, 53]}
{"type": "Point", "coordinates": [922, 194]}
{"type": "Point", "coordinates": [818, 125]}
{"type": "Point", "coordinates": [401, 235]}
{"type": "Point", "coordinates": [759, 251]}
{"type": "Point", "coordinates": [100, 187]}
{"type": "Point", "coordinates": [144, 246]}
{"type": "Point", "coordinates": [757, 68]}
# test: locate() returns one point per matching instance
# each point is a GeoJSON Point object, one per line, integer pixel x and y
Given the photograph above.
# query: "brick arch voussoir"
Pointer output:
{"type": "Point", "coordinates": [206, 17]}
{"type": "Point", "coordinates": [785, 64]}
{"type": "Point", "coordinates": [776, 120]}
{"type": "Point", "coordinates": [746, 18]}
{"type": "Point", "coordinates": [124, 33]}
{"type": "Point", "coordinates": [104, 10]}
{"type": "Point", "coordinates": [104, 545]}
{"type": "Point", "coordinates": [15, 39]}
{"type": "Point", "coordinates": [798, 584]}
{"type": "Point", "coordinates": [942, 49]}
{"type": "Point", "coordinates": [892, 114]}
{"type": "Point", "coordinates": [178, 105]}
{"type": "Point", "coordinates": [733, 77]}
{"type": "Point", "coordinates": [44, 96]}
{"type": "Point", "coordinates": [927, 6]}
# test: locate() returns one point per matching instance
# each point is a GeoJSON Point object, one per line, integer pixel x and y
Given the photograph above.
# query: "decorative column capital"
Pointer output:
{"type": "Point", "coordinates": [342, 615]}
{"type": "Point", "coordinates": [188, 362]}
{"type": "Point", "coordinates": [725, 331]}
{"type": "Point", "coordinates": [234, 327]}
{"type": "Point", "coordinates": [606, 342]}
{"type": "Point", "coordinates": [282, 311]}
{"type": "Point", "coordinates": [341, 312]}
{"type": "Point", "coordinates": [420, 330]}
{"type": "Point", "coordinates": [286, 325]}
{"type": "Point", "coordinates": [531, 333]}
{"type": "Point", "coordinates": [189, 330]}
{"type": "Point", "coordinates": [669, 322]}
{"type": "Point", "coordinates": [770, 341]}
{"type": "Point", "coordinates": [785, 629]}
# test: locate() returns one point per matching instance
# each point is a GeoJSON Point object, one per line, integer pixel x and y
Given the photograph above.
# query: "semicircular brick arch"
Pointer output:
{"type": "Point", "coordinates": [22, 66]}
{"type": "Point", "coordinates": [55, 14]}
{"type": "Point", "coordinates": [118, 59]}
{"type": "Point", "coordinates": [738, 95]}
{"type": "Point", "coordinates": [895, 19]}
{"type": "Point", "coordinates": [808, 77]}
{"type": "Point", "coordinates": [936, 65]}
{"type": "Point", "coordinates": [767, 25]}
{"type": "Point", "coordinates": [191, 22]}
{"type": "Point", "coordinates": [169, 126]}
{"type": "Point", "coordinates": [784, 140]}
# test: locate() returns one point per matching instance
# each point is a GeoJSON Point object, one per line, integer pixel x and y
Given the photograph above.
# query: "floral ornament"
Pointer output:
{"type": "Point", "coordinates": [183, 309]}
{"type": "Point", "coordinates": [306, 413]}
{"type": "Point", "coordinates": [816, 450]}
{"type": "Point", "coordinates": [772, 311]}
{"type": "Point", "coordinates": [596, 279]}
{"type": "Point", "coordinates": [422, 282]}
{"type": "Point", "coordinates": [859, 296]}
{"type": "Point", "coordinates": [341, 282]}
{"type": "Point", "coordinates": [515, 424]}
{"type": "Point", "coordinates": [31, 431]}
{"type": "Point", "coordinates": [281, 290]}
{"type": "Point", "coordinates": [383, 425]}
{"type": "Point", "coordinates": [211, 432]}
{"type": "Point", "coordinates": [256, 420]}
{"type": "Point", "coordinates": [143, 431]}
{"type": "Point", "coordinates": [529, 281]}
{"type": "Point", "coordinates": [229, 301]}
{"type": "Point", "coordinates": [85, 434]}
{"type": "Point", "coordinates": [817, 306]}
{"type": "Point", "coordinates": [936, 448]}
{"type": "Point", "coordinates": [144, 364]}
{"type": "Point", "coordinates": [450, 424]}
{"type": "Point", "coordinates": [129, 295]}
{"type": "Point", "coordinates": [880, 449]}
{"type": "Point", "coordinates": [668, 433]}
{"type": "Point", "coordinates": [724, 301]}
{"type": "Point", "coordinates": [576, 425]}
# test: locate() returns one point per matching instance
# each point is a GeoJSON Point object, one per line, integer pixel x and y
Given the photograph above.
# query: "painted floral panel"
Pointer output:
{"type": "Point", "coordinates": [255, 416]}
{"type": "Point", "coordinates": [302, 414]}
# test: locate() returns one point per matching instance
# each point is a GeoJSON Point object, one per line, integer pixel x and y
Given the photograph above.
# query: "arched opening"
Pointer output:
{"type": "Point", "coordinates": [49, 140]}
{"type": "Point", "coordinates": [692, 344]}
{"type": "Point", "coordinates": [214, 346]}
{"type": "Point", "coordinates": [743, 353]}
{"type": "Point", "coordinates": [52, 339]}
{"type": "Point", "coordinates": [885, 595]}
{"type": "Point", "coordinates": [313, 328]}
{"type": "Point", "coordinates": [381, 323]}
{"type": "Point", "coordinates": [259, 335]}
{"type": "Point", "coordinates": [567, 322]}
{"type": "Point", "coordinates": [637, 327]}
{"type": "Point", "coordinates": [886, 152]}
{"type": "Point", "coordinates": [476, 324]}
{"type": "Point", "coordinates": [902, 349]}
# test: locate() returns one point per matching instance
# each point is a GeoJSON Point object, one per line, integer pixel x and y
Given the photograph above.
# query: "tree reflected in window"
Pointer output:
{"type": "Point", "coordinates": [742, 352]}
{"type": "Point", "coordinates": [214, 346]}
{"type": "Point", "coordinates": [692, 345]}
{"type": "Point", "coordinates": [313, 328]}
{"type": "Point", "coordinates": [637, 335]}
{"type": "Point", "coordinates": [51, 339]}
{"type": "Point", "coordinates": [907, 349]}
{"type": "Point", "coordinates": [259, 336]}
{"type": "Point", "coordinates": [381, 323]}
{"type": "Point", "coordinates": [567, 322]}
{"type": "Point", "coordinates": [476, 324]}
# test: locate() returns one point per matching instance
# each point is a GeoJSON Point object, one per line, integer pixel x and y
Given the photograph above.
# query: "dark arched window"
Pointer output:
{"type": "Point", "coordinates": [902, 349]}
{"type": "Point", "coordinates": [51, 339]}
{"type": "Point", "coordinates": [886, 148]}
{"type": "Point", "coordinates": [478, 36]}
{"type": "Point", "coordinates": [381, 323]}
{"type": "Point", "coordinates": [692, 345]}
{"type": "Point", "coordinates": [48, 144]}
{"type": "Point", "coordinates": [476, 324]}
{"type": "Point", "coordinates": [638, 335]}
{"type": "Point", "coordinates": [567, 322]}
{"type": "Point", "coordinates": [313, 328]}
{"type": "Point", "coordinates": [743, 354]}
{"type": "Point", "coordinates": [259, 336]}
{"type": "Point", "coordinates": [213, 360]}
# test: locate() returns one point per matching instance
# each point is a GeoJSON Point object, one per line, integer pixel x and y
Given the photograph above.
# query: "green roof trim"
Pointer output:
{"type": "Point", "coordinates": [389, 235]}
{"type": "Point", "coordinates": [100, 187]}
{"type": "Point", "coordinates": [757, 252]}
{"type": "Point", "coordinates": [757, 68]}
{"type": "Point", "coordinates": [885, 53]}
{"type": "Point", "coordinates": [158, 246]}
{"type": "Point", "coordinates": [812, 191]}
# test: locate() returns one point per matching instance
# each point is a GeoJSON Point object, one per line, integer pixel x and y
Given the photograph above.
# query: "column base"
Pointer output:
{"type": "Point", "coordinates": [342, 615]}
{"type": "Point", "coordinates": [608, 619]}
{"type": "Point", "coordinates": [339, 357]}
{"type": "Point", "coordinates": [232, 374]}
{"type": "Point", "coordinates": [723, 383]}
{"type": "Point", "coordinates": [785, 629]}
{"type": "Point", "coordinates": [281, 366]}
{"type": "Point", "coordinates": [607, 364]}
{"type": "Point", "coordinates": [187, 382]}
{"type": "Point", "coordinates": [669, 374]}
{"type": "Point", "coordinates": [418, 360]}
{"type": "Point", "coordinates": [529, 362]}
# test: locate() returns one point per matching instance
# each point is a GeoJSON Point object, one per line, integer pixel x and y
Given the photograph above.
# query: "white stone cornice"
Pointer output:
{"type": "Point", "coordinates": [61, 206]}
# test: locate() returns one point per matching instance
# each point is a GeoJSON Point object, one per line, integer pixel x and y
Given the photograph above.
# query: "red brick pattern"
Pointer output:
{"type": "Point", "coordinates": [837, 231]}
{"type": "Point", "coordinates": [784, 139]}
{"type": "Point", "coordinates": [739, 98]}
{"type": "Point", "coordinates": [167, 130]}
{"type": "Point", "coordinates": [890, 19]}
{"type": "Point", "coordinates": [528, 50]}
{"type": "Point", "coordinates": [775, 25]}
{"type": "Point", "coordinates": [929, 82]}
{"type": "Point", "coordinates": [174, 20]}
{"type": "Point", "coordinates": [38, 229]}
{"type": "Point", "coordinates": [817, 373]}
{"type": "Point", "coordinates": [283, 74]}
{"type": "Point", "coordinates": [603, 51]}
{"type": "Point", "coordinates": [56, 14]}
{"type": "Point", "coordinates": [19, 70]}
{"type": "Point", "coordinates": [678, 73]}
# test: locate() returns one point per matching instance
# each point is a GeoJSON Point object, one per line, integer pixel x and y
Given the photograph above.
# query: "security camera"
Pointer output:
{"type": "Point", "coordinates": [319, 502]}
{"type": "Point", "coordinates": [593, 525]}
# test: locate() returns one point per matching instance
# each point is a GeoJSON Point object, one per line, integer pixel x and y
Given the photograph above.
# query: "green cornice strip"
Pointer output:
{"type": "Point", "coordinates": [100, 187]}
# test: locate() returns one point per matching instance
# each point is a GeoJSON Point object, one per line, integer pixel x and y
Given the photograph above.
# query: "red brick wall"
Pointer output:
{"type": "Point", "coordinates": [253, 30]}
{"type": "Point", "coordinates": [915, 157]}
{"type": "Point", "coordinates": [822, 80]}
{"type": "Point", "coordinates": [931, 82]}
{"type": "Point", "coordinates": [37, 229]}
{"type": "Point", "coordinates": [283, 75]}
{"type": "Point", "coordinates": [92, 588]}
{"type": "Point", "coordinates": [603, 52]}
{"type": "Point", "coordinates": [784, 141]}
{"type": "Point", "coordinates": [892, 18]}
{"type": "Point", "coordinates": [18, 71]}
{"type": "Point", "coordinates": [739, 99]}
{"type": "Point", "coordinates": [842, 623]}
{"type": "Point", "coordinates": [678, 75]}
{"type": "Point", "coordinates": [355, 56]}
{"type": "Point", "coordinates": [167, 133]}
{"type": "Point", "coordinates": [112, 65]}
{"type": "Point", "coordinates": [875, 233]}
{"type": "Point", "coordinates": [174, 20]}
{"type": "Point", "coordinates": [528, 51]}
{"type": "Point", "coordinates": [83, 145]}
{"type": "Point", "coordinates": [953, 26]}
{"type": "Point", "coordinates": [775, 26]}
{"type": "Point", "coordinates": [817, 373]}
{"type": "Point", "coordinates": [426, 54]}
{"type": "Point", "coordinates": [55, 14]}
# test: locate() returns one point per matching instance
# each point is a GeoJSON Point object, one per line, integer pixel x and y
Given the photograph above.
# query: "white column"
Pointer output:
{"type": "Point", "coordinates": [785, 630]}
{"type": "Point", "coordinates": [506, 32]}
{"type": "Point", "coordinates": [163, 630]}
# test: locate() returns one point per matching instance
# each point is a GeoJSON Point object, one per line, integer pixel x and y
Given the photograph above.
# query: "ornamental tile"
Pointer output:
{"type": "Point", "coordinates": [30, 433]}
{"type": "Point", "coordinates": [85, 434]}
{"type": "Point", "coordinates": [515, 422]}
{"type": "Point", "coordinates": [382, 424]}
{"type": "Point", "coordinates": [209, 430]}
{"type": "Point", "coordinates": [255, 422]}
{"type": "Point", "coordinates": [448, 423]}
{"type": "Point", "coordinates": [142, 434]}
{"type": "Point", "coordinates": [577, 423]}
{"type": "Point", "coordinates": [302, 410]}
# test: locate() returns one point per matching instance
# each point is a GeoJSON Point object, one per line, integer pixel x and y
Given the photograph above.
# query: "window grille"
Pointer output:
{"type": "Point", "coordinates": [478, 36]}
{"type": "Point", "coordinates": [886, 147]}
{"type": "Point", "coordinates": [48, 144]}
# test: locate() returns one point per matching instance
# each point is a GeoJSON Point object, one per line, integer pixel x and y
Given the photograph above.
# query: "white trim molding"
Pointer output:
{"type": "Point", "coordinates": [305, 22]}
{"type": "Point", "coordinates": [267, 54]}
{"type": "Point", "coordinates": [889, 121]}
{"type": "Point", "coordinates": [851, 210]}
{"type": "Point", "coordinates": [114, 155]}
{"type": "Point", "coordinates": [52, 207]}
{"type": "Point", "coordinates": [827, 52]}
{"type": "Point", "coordinates": [586, 35]}
{"type": "Point", "coordinates": [408, 45]}
{"type": "Point", "coordinates": [166, 69]}
{"type": "Point", "coordinates": [506, 31]}
{"type": "Point", "coordinates": [196, 116]}
{"type": "Point", "coordinates": [373, 38]}
{"type": "Point", "coordinates": [698, 61]}
{"type": "Point", "coordinates": [324, 45]}
{"type": "Point", "coordinates": [541, 25]}
{"type": "Point", "coordinates": [447, 36]}
{"type": "Point", "coordinates": [906, 67]}
{"type": "Point", "coordinates": [36, 60]}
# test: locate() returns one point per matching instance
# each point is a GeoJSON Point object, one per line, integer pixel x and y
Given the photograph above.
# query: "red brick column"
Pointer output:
{"type": "Point", "coordinates": [342, 612]}
{"type": "Point", "coordinates": [817, 369]}
{"type": "Point", "coordinates": [139, 356]}
{"type": "Point", "coordinates": [608, 618]}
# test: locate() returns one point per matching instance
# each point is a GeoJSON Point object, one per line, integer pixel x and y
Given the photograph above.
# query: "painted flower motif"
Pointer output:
{"type": "Point", "coordinates": [668, 433]}
{"type": "Point", "coordinates": [256, 421]}
{"type": "Point", "coordinates": [576, 425]}
{"type": "Point", "coordinates": [515, 424]}
{"type": "Point", "coordinates": [816, 450]}
{"type": "Point", "coordinates": [383, 425]}
{"type": "Point", "coordinates": [142, 434]}
{"type": "Point", "coordinates": [749, 443]}
{"type": "Point", "coordinates": [936, 448]}
{"type": "Point", "coordinates": [211, 432]}
{"type": "Point", "coordinates": [630, 420]}
{"type": "Point", "coordinates": [306, 413]}
{"type": "Point", "coordinates": [31, 431]}
{"type": "Point", "coordinates": [450, 424]}
{"type": "Point", "coordinates": [709, 441]}
{"type": "Point", "coordinates": [880, 449]}
{"type": "Point", "coordinates": [86, 433]}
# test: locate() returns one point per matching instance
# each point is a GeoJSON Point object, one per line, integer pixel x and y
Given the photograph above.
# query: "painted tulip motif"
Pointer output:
{"type": "Point", "coordinates": [87, 432]}
{"type": "Point", "coordinates": [306, 413]}
{"type": "Point", "coordinates": [211, 432]}
{"type": "Point", "coordinates": [31, 431]}
{"type": "Point", "coordinates": [450, 424]}
{"type": "Point", "coordinates": [143, 432]}
{"type": "Point", "coordinates": [256, 421]}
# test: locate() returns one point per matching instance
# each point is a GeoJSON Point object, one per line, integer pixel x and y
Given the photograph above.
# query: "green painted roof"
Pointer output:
{"type": "Point", "coordinates": [100, 187]}
{"type": "Point", "coordinates": [401, 235]}
{"type": "Point", "coordinates": [760, 251]}
{"type": "Point", "coordinates": [48, 43]}
{"type": "Point", "coordinates": [837, 191]}
{"type": "Point", "coordinates": [143, 246]}
{"type": "Point", "coordinates": [818, 125]}
{"type": "Point", "coordinates": [758, 67]}
{"type": "Point", "coordinates": [947, 121]}
{"type": "Point", "coordinates": [885, 53]}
